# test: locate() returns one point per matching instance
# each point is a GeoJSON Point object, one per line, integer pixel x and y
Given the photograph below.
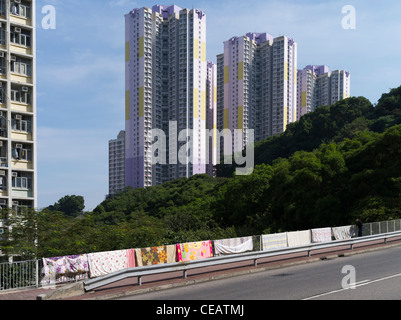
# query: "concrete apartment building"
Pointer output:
{"type": "Point", "coordinates": [317, 86]}
{"type": "Point", "coordinates": [211, 117]}
{"type": "Point", "coordinates": [18, 105]}
{"type": "Point", "coordinates": [117, 163]}
{"type": "Point", "coordinates": [166, 72]}
{"type": "Point", "coordinates": [257, 87]}
{"type": "Point", "coordinates": [18, 164]}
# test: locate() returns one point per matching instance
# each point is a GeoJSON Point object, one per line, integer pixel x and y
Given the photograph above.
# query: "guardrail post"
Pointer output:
{"type": "Point", "coordinates": [185, 274]}
{"type": "Point", "coordinates": [37, 274]}
{"type": "Point", "coordinates": [255, 262]}
{"type": "Point", "coordinates": [139, 280]}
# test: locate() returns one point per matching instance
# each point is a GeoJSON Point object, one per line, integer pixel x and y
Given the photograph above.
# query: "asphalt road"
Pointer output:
{"type": "Point", "coordinates": [368, 276]}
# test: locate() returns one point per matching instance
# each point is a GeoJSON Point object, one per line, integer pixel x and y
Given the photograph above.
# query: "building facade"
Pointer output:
{"type": "Point", "coordinates": [117, 163]}
{"type": "Point", "coordinates": [18, 156]}
{"type": "Point", "coordinates": [211, 117]}
{"type": "Point", "coordinates": [166, 72]}
{"type": "Point", "coordinates": [18, 177]}
{"type": "Point", "coordinates": [317, 86]}
{"type": "Point", "coordinates": [257, 87]}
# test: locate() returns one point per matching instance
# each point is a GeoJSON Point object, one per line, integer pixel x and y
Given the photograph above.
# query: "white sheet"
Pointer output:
{"type": "Point", "coordinates": [231, 246]}
{"type": "Point", "coordinates": [298, 238]}
{"type": "Point", "coordinates": [343, 233]}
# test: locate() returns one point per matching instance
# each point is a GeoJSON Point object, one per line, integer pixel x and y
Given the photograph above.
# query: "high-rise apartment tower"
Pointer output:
{"type": "Point", "coordinates": [166, 72]}
{"type": "Point", "coordinates": [317, 86]}
{"type": "Point", "coordinates": [256, 87]}
{"type": "Point", "coordinates": [117, 163]}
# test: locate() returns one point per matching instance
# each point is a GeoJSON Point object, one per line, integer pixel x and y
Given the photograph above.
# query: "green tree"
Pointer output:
{"type": "Point", "coordinates": [69, 205]}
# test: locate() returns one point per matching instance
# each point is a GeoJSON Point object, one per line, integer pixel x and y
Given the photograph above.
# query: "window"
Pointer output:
{"type": "Point", "coordinates": [20, 36]}
{"type": "Point", "coordinates": [3, 7]}
{"type": "Point", "coordinates": [21, 66]}
{"type": "Point", "coordinates": [21, 181]}
{"type": "Point", "coordinates": [20, 96]}
{"type": "Point", "coordinates": [22, 124]}
{"type": "Point", "coordinates": [3, 35]}
{"type": "Point", "coordinates": [21, 153]}
{"type": "Point", "coordinates": [20, 9]}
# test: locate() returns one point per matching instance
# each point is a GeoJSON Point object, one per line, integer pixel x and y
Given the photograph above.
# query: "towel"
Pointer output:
{"type": "Point", "coordinates": [298, 238]}
{"type": "Point", "coordinates": [130, 258]}
{"type": "Point", "coordinates": [321, 235]}
{"type": "Point", "coordinates": [233, 245]}
{"type": "Point", "coordinates": [274, 241]}
{"type": "Point", "coordinates": [194, 250]}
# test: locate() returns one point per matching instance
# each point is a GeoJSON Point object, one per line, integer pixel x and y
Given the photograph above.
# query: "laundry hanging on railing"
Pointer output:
{"type": "Point", "coordinates": [298, 238]}
{"type": "Point", "coordinates": [194, 250]}
{"type": "Point", "coordinates": [343, 233]}
{"type": "Point", "coordinates": [274, 241]}
{"type": "Point", "coordinates": [321, 235]}
{"type": "Point", "coordinates": [233, 245]}
{"type": "Point", "coordinates": [66, 268]}
{"type": "Point", "coordinates": [155, 255]}
{"type": "Point", "coordinates": [102, 263]}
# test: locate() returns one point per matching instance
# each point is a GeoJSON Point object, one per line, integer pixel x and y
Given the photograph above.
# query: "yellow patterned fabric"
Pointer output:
{"type": "Point", "coordinates": [155, 255]}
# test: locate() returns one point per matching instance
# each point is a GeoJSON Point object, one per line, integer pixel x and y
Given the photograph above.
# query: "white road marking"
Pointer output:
{"type": "Point", "coordinates": [354, 285]}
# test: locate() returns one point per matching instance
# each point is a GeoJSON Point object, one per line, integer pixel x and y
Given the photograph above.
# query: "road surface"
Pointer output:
{"type": "Point", "coordinates": [373, 275]}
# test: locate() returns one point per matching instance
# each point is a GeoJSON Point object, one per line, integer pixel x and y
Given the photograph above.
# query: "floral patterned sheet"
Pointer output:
{"type": "Point", "coordinates": [66, 268]}
{"type": "Point", "coordinates": [194, 250]}
{"type": "Point", "coordinates": [155, 255]}
{"type": "Point", "coordinates": [102, 263]}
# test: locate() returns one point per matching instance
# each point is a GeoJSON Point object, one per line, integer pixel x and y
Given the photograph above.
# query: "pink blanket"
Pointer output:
{"type": "Point", "coordinates": [194, 250]}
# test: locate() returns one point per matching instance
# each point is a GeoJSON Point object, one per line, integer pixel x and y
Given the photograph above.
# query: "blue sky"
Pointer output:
{"type": "Point", "coordinates": [80, 70]}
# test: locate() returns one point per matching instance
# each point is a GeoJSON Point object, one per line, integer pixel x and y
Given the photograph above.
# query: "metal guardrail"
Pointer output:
{"type": "Point", "coordinates": [139, 272]}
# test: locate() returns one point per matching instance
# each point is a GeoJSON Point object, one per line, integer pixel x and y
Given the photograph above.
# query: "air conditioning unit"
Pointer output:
{"type": "Point", "coordinates": [3, 202]}
{"type": "Point", "coordinates": [2, 54]}
{"type": "Point", "coordinates": [18, 117]}
{"type": "Point", "coordinates": [13, 58]}
{"type": "Point", "coordinates": [18, 145]}
{"type": "Point", "coordinates": [15, 174]}
{"type": "Point", "coordinates": [25, 89]}
{"type": "Point", "coordinates": [17, 1]}
{"type": "Point", "coordinates": [17, 29]}
{"type": "Point", "coordinates": [2, 172]}
{"type": "Point", "coordinates": [15, 203]}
